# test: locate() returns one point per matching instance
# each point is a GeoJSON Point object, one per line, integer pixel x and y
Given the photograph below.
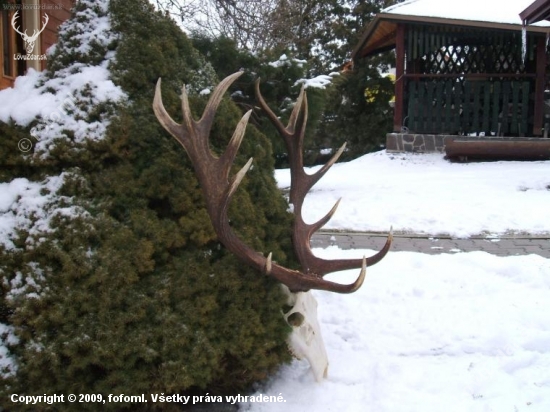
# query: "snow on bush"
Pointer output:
{"type": "Point", "coordinates": [319, 82]}
{"type": "Point", "coordinates": [27, 206]}
{"type": "Point", "coordinates": [70, 104]}
{"type": "Point", "coordinates": [62, 105]}
{"type": "Point", "coordinates": [284, 60]}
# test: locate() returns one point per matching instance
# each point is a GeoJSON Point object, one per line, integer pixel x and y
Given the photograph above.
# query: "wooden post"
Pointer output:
{"type": "Point", "coordinates": [399, 77]}
{"type": "Point", "coordinates": [539, 87]}
{"type": "Point", "coordinates": [32, 20]}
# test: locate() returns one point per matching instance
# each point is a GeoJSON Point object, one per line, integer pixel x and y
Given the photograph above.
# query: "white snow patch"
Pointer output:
{"type": "Point", "coordinates": [64, 102]}
{"type": "Point", "coordinates": [30, 206]}
{"type": "Point", "coordinates": [284, 60]}
{"type": "Point", "coordinates": [451, 332]}
{"type": "Point", "coordinates": [495, 11]}
{"type": "Point", "coordinates": [319, 82]}
{"type": "Point", "coordinates": [424, 193]}
{"type": "Point", "coordinates": [7, 337]}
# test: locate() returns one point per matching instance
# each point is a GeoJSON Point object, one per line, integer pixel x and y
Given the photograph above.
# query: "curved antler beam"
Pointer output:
{"type": "Point", "coordinates": [301, 183]}
{"type": "Point", "coordinates": [213, 175]}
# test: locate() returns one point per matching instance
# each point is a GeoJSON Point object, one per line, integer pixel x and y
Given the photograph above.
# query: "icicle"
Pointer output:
{"type": "Point", "coordinates": [523, 41]}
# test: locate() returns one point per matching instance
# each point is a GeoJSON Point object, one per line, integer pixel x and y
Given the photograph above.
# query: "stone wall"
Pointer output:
{"type": "Point", "coordinates": [418, 143]}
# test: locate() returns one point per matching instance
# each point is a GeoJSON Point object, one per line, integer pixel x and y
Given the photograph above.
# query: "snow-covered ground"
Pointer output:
{"type": "Point", "coordinates": [427, 194]}
{"type": "Point", "coordinates": [462, 332]}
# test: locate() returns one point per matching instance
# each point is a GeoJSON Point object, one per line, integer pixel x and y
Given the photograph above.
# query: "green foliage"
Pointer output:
{"type": "Point", "coordinates": [280, 87]}
{"type": "Point", "coordinates": [354, 109]}
{"type": "Point", "coordinates": [13, 163]}
{"type": "Point", "coordinates": [358, 111]}
{"type": "Point", "coordinates": [136, 295]}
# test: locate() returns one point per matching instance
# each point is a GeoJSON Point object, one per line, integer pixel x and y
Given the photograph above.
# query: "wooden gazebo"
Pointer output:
{"type": "Point", "coordinates": [481, 77]}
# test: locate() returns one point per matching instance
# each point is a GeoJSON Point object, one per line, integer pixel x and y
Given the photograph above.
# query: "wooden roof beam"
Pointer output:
{"type": "Point", "coordinates": [388, 41]}
{"type": "Point", "coordinates": [537, 11]}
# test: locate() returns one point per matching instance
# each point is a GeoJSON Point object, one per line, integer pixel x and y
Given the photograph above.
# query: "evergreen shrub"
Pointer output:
{"type": "Point", "coordinates": [131, 292]}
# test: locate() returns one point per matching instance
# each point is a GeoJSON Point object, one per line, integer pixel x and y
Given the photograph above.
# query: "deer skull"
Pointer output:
{"type": "Point", "coordinates": [306, 340]}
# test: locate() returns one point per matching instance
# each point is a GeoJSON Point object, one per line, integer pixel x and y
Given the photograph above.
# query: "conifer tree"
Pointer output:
{"type": "Point", "coordinates": [358, 109]}
{"type": "Point", "coordinates": [282, 77]}
{"type": "Point", "coordinates": [124, 288]}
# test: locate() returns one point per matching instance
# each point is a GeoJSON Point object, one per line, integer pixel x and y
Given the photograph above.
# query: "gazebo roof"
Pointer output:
{"type": "Point", "coordinates": [539, 10]}
{"type": "Point", "coordinates": [380, 34]}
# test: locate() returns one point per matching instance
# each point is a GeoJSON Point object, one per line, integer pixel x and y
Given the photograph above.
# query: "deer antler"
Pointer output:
{"type": "Point", "coordinates": [35, 32]}
{"type": "Point", "coordinates": [46, 20]}
{"type": "Point", "coordinates": [301, 183]}
{"type": "Point", "coordinates": [213, 175]}
{"type": "Point", "coordinates": [13, 20]}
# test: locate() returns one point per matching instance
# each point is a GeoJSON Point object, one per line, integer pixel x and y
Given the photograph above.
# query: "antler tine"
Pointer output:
{"type": "Point", "coordinates": [329, 266]}
{"type": "Point", "coordinates": [301, 183]}
{"type": "Point", "coordinates": [188, 120]}
{"type": "Point", "coordinates": [294, 137]}
{"type": "Point", "coordinates": [323, 170]}
{"type": "Point", "coordinates": [299, 112]}
{"type": "Point", "coordinates": [14, 17]}
{"type": "Point", "coordinates": [314, 227]}
{"type": "Point", "coordinates": [190, 131]}
{"type": "Point", "coordinates": [267, 110]}
{"type": "Point", "coordinates": [230, 153]}
{"type": "Point", "coordinates": [163, 117]}
{"type": "Point", "coordinates": [214, 101]}
{"type": "Point", "coordinates": [213, 176]}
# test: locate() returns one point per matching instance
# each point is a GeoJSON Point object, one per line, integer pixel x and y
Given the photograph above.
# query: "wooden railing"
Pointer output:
{"type": "Point", "coordinates": [474, 104]}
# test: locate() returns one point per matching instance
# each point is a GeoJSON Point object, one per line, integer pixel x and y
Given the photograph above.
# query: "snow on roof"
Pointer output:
{"type": "Point", "coordinates": [494, 11]}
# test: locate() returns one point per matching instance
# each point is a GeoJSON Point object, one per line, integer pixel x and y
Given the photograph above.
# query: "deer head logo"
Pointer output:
{"type": "Point", "coordinates": [29, 40]}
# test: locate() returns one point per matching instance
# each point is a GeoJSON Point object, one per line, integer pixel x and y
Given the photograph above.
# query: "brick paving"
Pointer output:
{"type": "Point", "coordinates": [501, 246]}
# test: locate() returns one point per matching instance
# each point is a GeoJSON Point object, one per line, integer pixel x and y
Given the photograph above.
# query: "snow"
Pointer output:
{"type": "Point", "coordinates": [31, 99]}
{"type": "Point", "coordinates": [284, 60]}
{"type": "Point", "coordinates": [64, 102]}
{"type": "Point", "coordinates": [30, 206]}
{"type": "Point", "coordinates": [7, 337]}
{"type": "Point", "coordinates": [454, 333]}
{"type": "Point", "coordinates": [426, 194]}
{"type": "Point", "coordinates": [59, 106]}
{"type": "Point", "coordinates": [319, 82]}
{"type": "Point", "coordinates": [451, 332]}
{"type": "Point", "coordinates": [496, 11]}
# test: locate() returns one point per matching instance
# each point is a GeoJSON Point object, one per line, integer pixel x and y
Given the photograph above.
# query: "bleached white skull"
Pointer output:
{"type": "Point", "coordinates": [305, 340]}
